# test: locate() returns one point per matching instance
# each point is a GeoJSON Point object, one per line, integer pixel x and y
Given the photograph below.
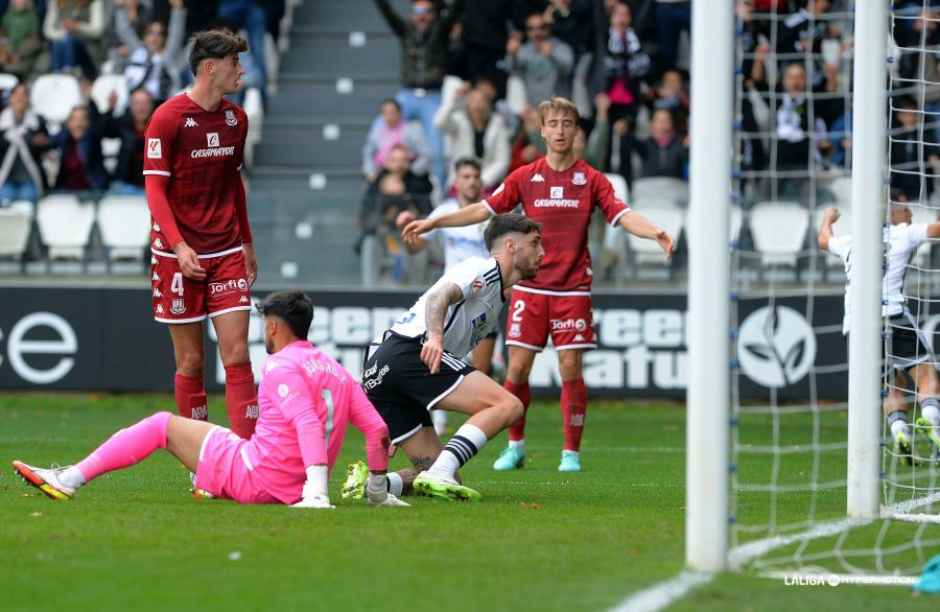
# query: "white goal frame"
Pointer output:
{"type": "Point", "coordinates": [708, 458]}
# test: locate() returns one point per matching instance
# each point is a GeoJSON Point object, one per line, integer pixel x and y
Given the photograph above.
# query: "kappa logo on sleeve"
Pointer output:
{"type": "Point", "coordinates": [154, 148]}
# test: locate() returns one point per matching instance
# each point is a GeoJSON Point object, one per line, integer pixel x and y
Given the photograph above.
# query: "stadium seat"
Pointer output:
{"type": "Point", "coordinates": [102, 89]}
{"type": "Point", "coordinates": [124, 222]}
{"type": "Point", "coordinates": [14, 231]}
{"type": "Point", "coordinates": [841, 189]}
{"type": "Point", "coordinates": [8, 81]}
{"type": "Point", "coordinates": [65, 225]}
{"type": "Point", "coordinates": [779, 229]}
{"type": "Point", "coordinates": [648, 251]}
{"type": "Point", "coordinates": [54, 96]}
{"type": "Point", "coordinates": [619, 185]}
{"type": "Point", "coordinates": [661, 188]}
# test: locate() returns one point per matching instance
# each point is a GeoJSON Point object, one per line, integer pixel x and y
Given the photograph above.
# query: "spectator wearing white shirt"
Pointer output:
{"type": "Point", "coordinates": [474, 130]}
{"type": "Point", "coordinates": [152, 62]}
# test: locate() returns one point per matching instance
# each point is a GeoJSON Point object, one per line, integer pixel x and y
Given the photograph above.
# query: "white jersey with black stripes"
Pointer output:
{"type": "Point", "coordinates": [472, 318]}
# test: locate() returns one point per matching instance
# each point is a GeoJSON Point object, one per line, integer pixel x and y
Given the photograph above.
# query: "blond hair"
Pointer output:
{"type": "Point", "coordinates": [559, 105]}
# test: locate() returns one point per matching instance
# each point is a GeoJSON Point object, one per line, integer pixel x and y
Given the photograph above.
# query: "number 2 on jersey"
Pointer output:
{"type": "Point", "coordinates": [517, 309]}
{"type": "Point", "coordinates": [176, 285]}
{"type": "Point", "coordinates": [327, 396]}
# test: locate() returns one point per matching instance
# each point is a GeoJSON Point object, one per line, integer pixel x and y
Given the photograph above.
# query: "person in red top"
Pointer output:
{"type": "Point", "coordinates": [203, 262]}
{"type": "Point", "coordinates": [560, 192]}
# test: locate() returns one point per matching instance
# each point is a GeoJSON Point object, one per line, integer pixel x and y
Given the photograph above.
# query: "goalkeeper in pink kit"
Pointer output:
{"type": "Point", "coordinates": [306, 399]}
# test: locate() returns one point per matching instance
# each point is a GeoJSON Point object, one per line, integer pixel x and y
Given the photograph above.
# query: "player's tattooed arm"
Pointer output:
{"type": "Point", "coordinates": [435, 312]}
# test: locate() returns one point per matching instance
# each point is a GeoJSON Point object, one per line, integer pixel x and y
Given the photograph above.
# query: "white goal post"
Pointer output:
{"type": "Point", "coordinates": [869, 130]}
{"type": "Point", "coordinates": [709, 461]}
{"type": "Point", "coordinates": [708, 398]}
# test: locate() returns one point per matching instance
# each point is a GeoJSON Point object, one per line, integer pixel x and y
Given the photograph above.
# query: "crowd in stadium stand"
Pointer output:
{"type": "Point", "coordinates": [144, 41]}
{"type": "Point", "coordinates": [623, 64]}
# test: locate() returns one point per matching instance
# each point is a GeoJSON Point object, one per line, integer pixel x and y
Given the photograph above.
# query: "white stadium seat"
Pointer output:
{"type": "Point", "coordinates": [648, 251]}
{"type": "Point", "coordinates": [104, 86]}
{"type": "Point", "coordinates": [124, 223]}
{"type": "Point", "coordinates": [65, 225]}
{"type": "Point", "coordinates": [14, 231]}
{"type": "Point", "coordinates": [53, 96]}
{"type": "Point", "coordinates": [661, 188]}
{"type": "Point", "coordinates": [778, 229]}
{"type": "Point", "coordinates": [614, 236]}
{"type": "Point", "coordinates": [841, 189]}
{"type": "Point", "coordinates": [8, 81]}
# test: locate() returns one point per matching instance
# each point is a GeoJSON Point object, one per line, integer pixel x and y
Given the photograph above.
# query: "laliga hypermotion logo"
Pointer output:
{"type": "Point", "coordinates": [776, 346]}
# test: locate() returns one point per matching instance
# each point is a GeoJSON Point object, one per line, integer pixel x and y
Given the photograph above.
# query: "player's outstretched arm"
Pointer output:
{"type": "Point", "coordinates": [640, 226]}
{"type": "Point", "coordinates": [468, 215]}
{"type": "Point", "coordinates": [830, 216]}
{"type": "Point", "coordinates": [435, 312]}
{"type": "Point", "coordinates": [933, 230]}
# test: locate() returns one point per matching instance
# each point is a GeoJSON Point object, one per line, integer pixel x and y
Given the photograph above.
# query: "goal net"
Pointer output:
{"type": "Point", "coordinates": [789, 373]}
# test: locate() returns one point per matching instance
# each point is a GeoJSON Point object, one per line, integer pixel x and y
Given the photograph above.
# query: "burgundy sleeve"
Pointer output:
{"type": "Point", "coordinates": [605, 197]}
{"type": "Point", "coordinates": [155, 186]}
{"type": "Point", "coordinates": [506, 196]}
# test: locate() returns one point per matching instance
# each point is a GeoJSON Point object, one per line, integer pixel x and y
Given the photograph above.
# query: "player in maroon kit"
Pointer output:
{"type": "Point", "coordinates": [560, 192]}
{"type": "Point", "coordinates": [203, 262]}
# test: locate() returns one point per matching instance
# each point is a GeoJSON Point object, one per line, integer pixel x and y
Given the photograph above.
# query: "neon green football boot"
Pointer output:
{"type": "Point", "coordinates": [355, 485]}
{"type": "Point", "coordinates": [434, 485]}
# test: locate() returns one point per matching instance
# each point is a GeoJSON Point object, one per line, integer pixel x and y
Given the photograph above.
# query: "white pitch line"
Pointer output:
{"type": "Point", "coordinates": [664, 593]}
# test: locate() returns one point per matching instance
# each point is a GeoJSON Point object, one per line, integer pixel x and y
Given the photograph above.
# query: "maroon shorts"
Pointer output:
{"type": "Point", "coordinates": [536, 313]}
{"type": "Point", "coordinates": [177, 299]}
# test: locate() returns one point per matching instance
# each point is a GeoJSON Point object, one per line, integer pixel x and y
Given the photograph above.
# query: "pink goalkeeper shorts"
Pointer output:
{"type": "Point", "coordinates": [223, 473]}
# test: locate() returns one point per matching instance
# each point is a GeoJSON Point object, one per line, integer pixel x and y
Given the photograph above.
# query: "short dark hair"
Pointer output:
{"type": "Point", "coordinates": [509, 223]}
{"type": "Point", "coordinates": [293, 307]}
{"type": "Point", "coordinates": [214, 44]}
{"type": "Point", "coordinates": [391, 101]}
{"type": "Point", "coordinates": [467, 161]}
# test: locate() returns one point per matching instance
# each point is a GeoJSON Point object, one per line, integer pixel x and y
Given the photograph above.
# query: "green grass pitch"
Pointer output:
{"type": "Point", "coordinates": [539, 540]}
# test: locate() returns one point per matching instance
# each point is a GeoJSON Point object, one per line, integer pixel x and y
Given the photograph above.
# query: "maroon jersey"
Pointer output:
{"type": "Point", "coordinates": [201, 152]}
{"type": "Point", "coordinates": [562, 202]}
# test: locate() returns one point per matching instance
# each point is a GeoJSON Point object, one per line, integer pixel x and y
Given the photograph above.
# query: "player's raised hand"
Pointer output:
{"type": "Point", "coordinates": [414, 229]}
{"type": "Point", "coordinates": [831, 214]}
{"type": "Point", "coordinates": [189, 262]}
{"type": "Point", "coordinates": [665, 243]}
{"type": "Point", "coordinates": [431, 353]}
{"type": "Point", "coordinates": [251, 263]}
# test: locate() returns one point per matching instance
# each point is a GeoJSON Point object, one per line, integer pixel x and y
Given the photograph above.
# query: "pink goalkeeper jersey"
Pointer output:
{"type": "Point", "coordinates": [305, 400]}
